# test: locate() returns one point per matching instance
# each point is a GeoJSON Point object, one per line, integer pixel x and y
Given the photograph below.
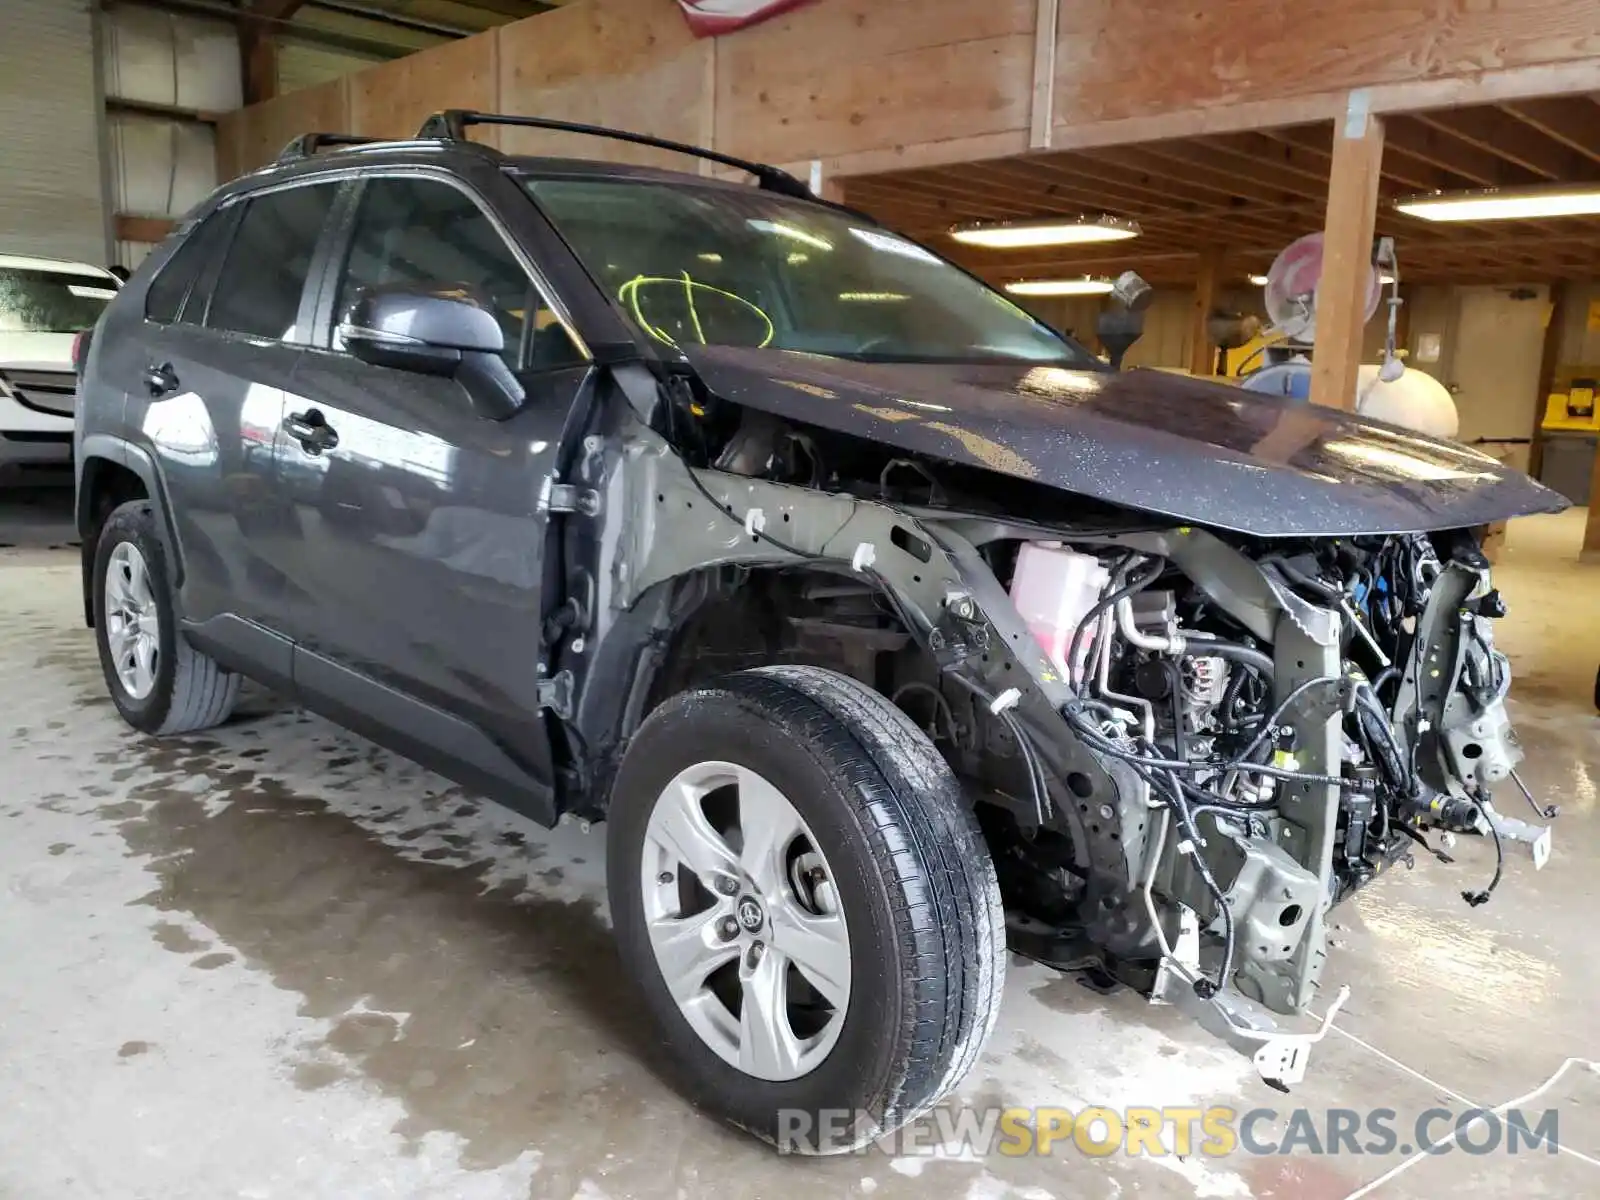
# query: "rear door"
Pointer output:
{"type": "Point", "coordinates": [422, 533]}
{"type": "Point", "coordinates": [209, 402]}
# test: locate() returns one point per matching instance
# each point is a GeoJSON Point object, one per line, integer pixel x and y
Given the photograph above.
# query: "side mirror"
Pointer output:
{"type": "Point", "coordinates": [445, 332]}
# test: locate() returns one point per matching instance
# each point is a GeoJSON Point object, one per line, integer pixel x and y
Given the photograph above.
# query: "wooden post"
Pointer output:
{"type": "Point", "coordinates": [1549, 360]}
{"type": "Point", "coordinates": [258, 52]}
{"type": "Point", "coordinates": [1202, 353]}
{"type": "Point", "coordinates": [1591, 526]}
{"type": "Point", "coordinates": [1346, 254]}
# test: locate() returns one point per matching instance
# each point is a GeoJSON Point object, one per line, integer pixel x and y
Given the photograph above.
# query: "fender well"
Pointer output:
{"type": "Point", "coordinates": [110, 473]}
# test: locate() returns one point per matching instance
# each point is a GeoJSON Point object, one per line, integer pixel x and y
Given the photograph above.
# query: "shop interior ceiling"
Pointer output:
{"type": "Point", "coordinates": [1240, 197]}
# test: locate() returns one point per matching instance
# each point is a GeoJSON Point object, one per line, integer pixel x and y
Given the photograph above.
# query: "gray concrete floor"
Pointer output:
{"type": "Point", "coordinates": [275, 961]}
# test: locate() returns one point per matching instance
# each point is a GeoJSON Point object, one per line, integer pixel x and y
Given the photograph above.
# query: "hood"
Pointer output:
{"type": "Point", "coordinates": [1187, 449]}
{"type": "Point", "coordinates": [36, 351]}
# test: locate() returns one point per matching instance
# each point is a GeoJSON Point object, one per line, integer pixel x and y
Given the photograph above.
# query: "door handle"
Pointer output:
{"type": "Point", "coordinates": [160, 379]}
{"type": "Point", "coordinates": [311, 430]}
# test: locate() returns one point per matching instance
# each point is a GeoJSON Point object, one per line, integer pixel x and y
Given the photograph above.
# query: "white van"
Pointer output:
{"type": "Point", "coordinates": [44, 305]}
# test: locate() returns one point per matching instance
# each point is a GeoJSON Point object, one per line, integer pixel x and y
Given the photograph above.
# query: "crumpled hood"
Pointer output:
{"type": "Point", "coordinates": [1188, 449]}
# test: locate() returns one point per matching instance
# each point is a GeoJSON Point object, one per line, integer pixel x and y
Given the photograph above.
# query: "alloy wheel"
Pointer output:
{"type": "Point", "coordinates": [133, 631]}
{"type": "Point", "coordinates": [744, 919]}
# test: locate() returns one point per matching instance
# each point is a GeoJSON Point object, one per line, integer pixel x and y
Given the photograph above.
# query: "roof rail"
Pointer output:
{"type": "Point", "coordinates": [451, 125]}
{"type": "Point", "coordinates": [308, 144]}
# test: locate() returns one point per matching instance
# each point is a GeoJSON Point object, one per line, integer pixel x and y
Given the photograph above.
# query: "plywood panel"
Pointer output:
{"type": "Point", "coordinates": [393, 99]}
{"type": "Point", "coordinates": [252, 137]}
{"type": "Point", "coordinates": [630, 64]}
{"type": "Point", "coordinates": [1124, 59]}
{"type": "Point", "coordinates": [852, 75]}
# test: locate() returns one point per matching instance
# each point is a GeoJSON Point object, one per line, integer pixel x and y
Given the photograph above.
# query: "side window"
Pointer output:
{"type": "Point", "coordinates": [258, 290]}
{"type": "Point", "coordinates": [165, 299]}
{"type": "Point", "coordinates": [428, 234]}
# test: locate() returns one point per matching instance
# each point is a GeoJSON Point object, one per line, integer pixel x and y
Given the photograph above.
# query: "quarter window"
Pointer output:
{"type": "Point", "coordinates": [427, 234]}
{"type": "Point", "coordinates": [175, 284]}
{"type": "Point", "coordinates": [258, 291]}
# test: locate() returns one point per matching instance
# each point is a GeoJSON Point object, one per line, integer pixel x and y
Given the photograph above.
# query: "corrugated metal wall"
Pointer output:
{"type": "Point", "coordinates": [51, 199]}
{"type": "Point", "coordinates": [162, 166]}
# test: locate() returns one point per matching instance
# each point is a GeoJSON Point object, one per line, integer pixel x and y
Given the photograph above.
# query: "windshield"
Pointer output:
{"type": "Point", "coordinates": [39, 301]}
{"type": "Point", "coordinates": [741, 267]}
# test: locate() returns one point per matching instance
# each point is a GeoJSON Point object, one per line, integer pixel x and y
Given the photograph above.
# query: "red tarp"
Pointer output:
{"type": "Point", "coordinates": [708, 18]}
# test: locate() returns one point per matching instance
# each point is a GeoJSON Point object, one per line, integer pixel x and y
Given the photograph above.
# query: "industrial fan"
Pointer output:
{"type": "Point", "coordinates": [1384, 390]}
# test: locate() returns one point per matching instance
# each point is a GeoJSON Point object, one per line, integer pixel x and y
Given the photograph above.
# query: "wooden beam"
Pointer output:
{"type": "Point", "coordinates": [1501, 133]}
{"type": "Point", "coordinates": [1346, 256]}
{"type": "Point", "coordinates": [258, 58]}
{"type": "Point", "coordinates": [1567, 119]}
{"type": "Point", "coordinates": [1549, 360]}
{"type": "Point", "coordinates": [171, 112]}
{"type": "Point", "coordinates": [129, 228]}
{"type": "Point", "coordinates": [258, 48]}
{"type": "Point", "coordinates": [1202, 354]}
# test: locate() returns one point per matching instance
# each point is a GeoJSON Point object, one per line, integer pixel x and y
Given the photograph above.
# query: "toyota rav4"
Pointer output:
{"type": "Point", "coordinates": [883, 625]}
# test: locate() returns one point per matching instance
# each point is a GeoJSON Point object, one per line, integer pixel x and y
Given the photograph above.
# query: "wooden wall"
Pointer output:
{"type": "Point", "coordinates": [1120, 64]}
{"type": "Point", "coordinates": [869, 85]}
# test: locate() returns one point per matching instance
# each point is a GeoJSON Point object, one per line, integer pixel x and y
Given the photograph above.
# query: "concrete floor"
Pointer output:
{"type": "Point", "coordinates": [274, 961]}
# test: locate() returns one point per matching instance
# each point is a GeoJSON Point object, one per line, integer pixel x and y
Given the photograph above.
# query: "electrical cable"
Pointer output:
{"type": "Point", "coordinates": [1477, 898]}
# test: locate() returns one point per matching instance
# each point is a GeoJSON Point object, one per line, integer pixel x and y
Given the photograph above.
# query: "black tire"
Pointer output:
{"type": "Point", "coordinates": [191, 691]}
{"type": "Point", "coordinates": [914, 879]}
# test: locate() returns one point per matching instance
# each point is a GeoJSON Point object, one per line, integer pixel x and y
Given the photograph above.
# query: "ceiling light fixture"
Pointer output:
{"type": "Point", "coordinates": [1046, 231]}
{"type": "Point", "coordinates": [1505, 204]}
{"type": "Point", "coordinates": [1384, 280]}
{"type": "Point", "coordinates": [874, 297]}
{"type": "Point", "coordinates": [1086, 286]}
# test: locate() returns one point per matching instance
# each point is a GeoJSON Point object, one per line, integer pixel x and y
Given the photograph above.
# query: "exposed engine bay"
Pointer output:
{"type": "Point", "coordinates": [1184, 745]}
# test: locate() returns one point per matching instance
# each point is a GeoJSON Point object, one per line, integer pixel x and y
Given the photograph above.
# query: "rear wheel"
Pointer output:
{"type": "Point", "coordinates": [800, 889]}
{"type": "Point", "coordinates": [159, 683]}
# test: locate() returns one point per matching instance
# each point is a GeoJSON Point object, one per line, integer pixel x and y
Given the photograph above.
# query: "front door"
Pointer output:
{"type": "Point", "coordinates": [422, 536]}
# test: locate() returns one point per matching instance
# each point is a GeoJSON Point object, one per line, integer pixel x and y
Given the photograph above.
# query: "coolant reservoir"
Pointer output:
{"type": "Point", "coordinates": [1054, 588]}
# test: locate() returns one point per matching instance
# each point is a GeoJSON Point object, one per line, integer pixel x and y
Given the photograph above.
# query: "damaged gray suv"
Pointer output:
{"type": "Point", "coordinates": [885, 626]}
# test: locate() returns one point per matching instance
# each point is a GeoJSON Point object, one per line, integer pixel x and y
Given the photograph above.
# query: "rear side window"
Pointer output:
{"type": "Point", "coordinates": [258, 290]}
{"type": "Point", "coordinates": [174, 285]}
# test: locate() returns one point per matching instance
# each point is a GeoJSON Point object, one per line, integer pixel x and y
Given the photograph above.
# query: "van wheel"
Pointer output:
{"type": "Point", "coordinates": [159, 683]}
{"type": "Point", "coordinates": [800, 890]}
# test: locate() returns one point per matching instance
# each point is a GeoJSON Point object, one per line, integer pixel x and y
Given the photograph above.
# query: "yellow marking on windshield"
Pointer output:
{"type": "Point", "coordinates": [628, 295]}
{"type": "Point", "coordinates": [688, 298]}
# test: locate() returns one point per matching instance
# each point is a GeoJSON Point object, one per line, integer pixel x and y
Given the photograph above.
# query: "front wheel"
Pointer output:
{"type": "Point", "coordinates": [801, 891]}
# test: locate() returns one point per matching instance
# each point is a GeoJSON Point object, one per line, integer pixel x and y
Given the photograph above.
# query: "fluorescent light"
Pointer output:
{"type": "Point", "coordinates": [871, 297]}
{"type": "Point", "coordinates": [1046, 231]}
{"type": "Point", "coordinates": [1505, 204]}
{"type": "Point", "coordinates": [798, 257]}
{"type": "Point", "coordinates": [1384, 280]}
{"type": "Point", "coordinates": [790, 232]}
{"type": "Point", "coordinates": [1060, 287]}
{"type": "Point", "coordinates": [710, 257]}
{"type": "Point", "coordinates": [85, 292]}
